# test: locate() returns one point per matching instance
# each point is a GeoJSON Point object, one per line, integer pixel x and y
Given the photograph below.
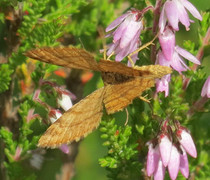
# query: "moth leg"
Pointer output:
{"type": "Point", "coordinates": [144, 98]}
{"type": "Point", "coordinates": [131, 61]}
{"type": "Point", "coordinates": [104, 53]}
{"type": "Point", "coordinates": [142, 47]}
{"type": "Point", "coordinates": [110, 55]}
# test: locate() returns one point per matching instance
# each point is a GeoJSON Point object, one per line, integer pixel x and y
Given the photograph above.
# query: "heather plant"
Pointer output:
{"type": "Point", "coordinates": [161, 135]}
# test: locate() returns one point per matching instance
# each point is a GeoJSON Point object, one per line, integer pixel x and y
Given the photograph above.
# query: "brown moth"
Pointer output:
{"type": "Point", "coordinates": [121, 85]}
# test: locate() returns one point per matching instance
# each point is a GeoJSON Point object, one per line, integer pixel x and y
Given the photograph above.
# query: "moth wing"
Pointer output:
{"type": "Point", "coordinates": [119, 96]}
{"type": "Point", "coordinates": [75, 123]}
{"type": "Point", "coordinates": [65, 56]}
{"type": "Point", "coordinates": [153, 71]}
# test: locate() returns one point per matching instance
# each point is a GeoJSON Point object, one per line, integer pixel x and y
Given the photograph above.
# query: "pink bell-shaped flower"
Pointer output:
{"type": "Point", "coordinates": [127, 29]}
{"type": "Point", "coordinates": [153, 157]}
{"type": "Point", "coordinates": [162, 85]}
{"type": "Point", "coordinates": [184, 165]}
{"type": "Point", "coordinates": [160, 171]}
{"type": "Point", "coordinates": [186, 141]}
{"type": "Point", "coordinates": [165, 146]}
{"type": "Point", "coordinates": [175, 11]}
{"type": "Point", "coordinates": [174, 162]}
{"type": "Point", "coordinates": [167, 42]}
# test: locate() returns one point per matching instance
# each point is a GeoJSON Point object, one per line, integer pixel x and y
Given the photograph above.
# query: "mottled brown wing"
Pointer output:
{"type": "Point", "coordinates": [153, 71]}
{"type": "Point", "coordinates": [119, 96]}
{"type": "Point", "coordinates": [75, 123]}
{"type": "Point", "coordinates": [65, 56]}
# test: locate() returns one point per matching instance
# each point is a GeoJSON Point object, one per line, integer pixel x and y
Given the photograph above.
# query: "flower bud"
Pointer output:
{"type": "Point", "coordinates": [65, 101]}
{"type": "Point", "coordinates": [18, 152]}
{"type": "Point", "coordinates": [54, 114]}
{"type": "Point", "coordinates": [64, 148]}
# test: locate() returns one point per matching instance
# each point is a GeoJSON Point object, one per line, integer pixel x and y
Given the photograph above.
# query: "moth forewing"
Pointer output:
{"type": "Point", "coordinates": [70, 57]}
{"type": "Point", "coordinates": [75, 123]}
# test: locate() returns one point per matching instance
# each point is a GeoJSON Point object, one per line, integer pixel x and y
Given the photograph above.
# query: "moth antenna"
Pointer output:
{"type": "Point", "coordinates": [127, 117]}
{"type": "Point", "coordinates": [142, 47]}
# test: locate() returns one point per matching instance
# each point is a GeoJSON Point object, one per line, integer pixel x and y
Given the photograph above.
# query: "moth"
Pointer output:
{"type": "Point", "coordinates": [121, 85]}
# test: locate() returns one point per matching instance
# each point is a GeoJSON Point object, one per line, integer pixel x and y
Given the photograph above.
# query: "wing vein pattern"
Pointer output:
{"type": "Point", "coordinates": [75, 123]}
{"type": "Point", "coordinates": [117, 97]}
{"type": "Point", "coordinates": [65, 56]}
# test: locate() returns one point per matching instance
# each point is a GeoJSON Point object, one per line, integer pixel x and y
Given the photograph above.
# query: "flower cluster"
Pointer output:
{"type": "Point", "coordinates": [173, 11]}
{"type": "Point", "coordinates": [169, 150]}
{"type": "Point", "coordinates": [125, 31]}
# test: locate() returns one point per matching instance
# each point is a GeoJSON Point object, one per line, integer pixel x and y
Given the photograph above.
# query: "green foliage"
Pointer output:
{"type": "Point", "coordinates": [33, 31]}
{"type": "Point", "coordinates": [204, 25]}
{"type": "Point", "coordinates": [26, 127]}
{"type": "Point", "coordinates": [86, 22]}
{"type": "Point", "coordinates": [5, 77]}
{"type": "Point", "coordinates": [33, 10]}
{"type": "Point", "coordinates": [34, 34]}
{"type": "Point", "coordinates": [59, 8]}
{"type": "Point", "coordinates": [10, 144]}
{"type": "Point", "coordinates": [202, 32]}
{"type": "Point", "coordinates": [122, 152]}
{"type": "Point", "coordinates": [46, 34]}
{"type": "Point", "coordinates": [7, 3]}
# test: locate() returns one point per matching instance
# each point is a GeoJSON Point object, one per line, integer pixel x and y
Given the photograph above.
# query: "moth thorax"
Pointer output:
{"type": "Point", "coordinates": [115, 78]}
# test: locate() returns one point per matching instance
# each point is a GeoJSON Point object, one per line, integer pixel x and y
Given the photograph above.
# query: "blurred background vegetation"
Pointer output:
{"type": "Point", "coordinates": [68, 22]}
